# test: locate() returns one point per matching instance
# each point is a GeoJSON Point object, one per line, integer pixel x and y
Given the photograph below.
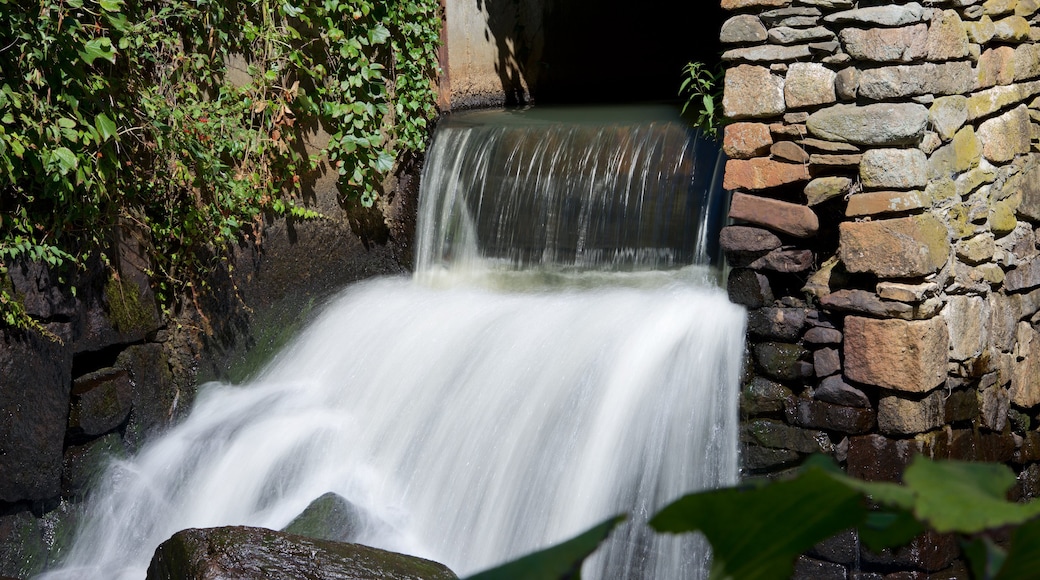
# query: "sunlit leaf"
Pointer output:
{"type": "Point", "coordinates": [966, 497]}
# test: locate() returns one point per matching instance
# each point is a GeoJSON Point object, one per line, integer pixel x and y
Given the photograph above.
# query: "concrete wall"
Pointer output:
{"type": "Point", "coordinates": [886, 194]}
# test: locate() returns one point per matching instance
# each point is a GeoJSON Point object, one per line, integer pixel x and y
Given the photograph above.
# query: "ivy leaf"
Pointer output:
{"type": "Point", "coordinates": [378, 34]}
{"type": "Point", "coordinates": [105, 126]}
{"type": "Point", "coordinates": [66, 159]}
{"type": "Point", "coordinates": [383, 162]}
{"type": "Point", "coordinates": [98, 48]}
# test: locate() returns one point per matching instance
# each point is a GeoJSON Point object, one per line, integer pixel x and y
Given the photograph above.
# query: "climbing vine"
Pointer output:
{"type": "Point", "coordinates": [188, 120]}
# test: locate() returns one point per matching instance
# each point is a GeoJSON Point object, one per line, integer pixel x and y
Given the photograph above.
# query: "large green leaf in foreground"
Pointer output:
{"type": "Point", "coordinates": [757, 533]}
{"type": "Point", "coordinates": [965, 497]}
{"type": "Point", "coordinates": [559, 562]}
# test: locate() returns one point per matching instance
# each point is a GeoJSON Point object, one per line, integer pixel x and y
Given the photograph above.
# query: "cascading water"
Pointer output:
{"type": "Point", "coordinates": [541, 372]}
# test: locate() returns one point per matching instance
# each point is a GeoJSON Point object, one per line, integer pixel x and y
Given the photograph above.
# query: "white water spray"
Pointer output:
{"type": "Point", "coordinates": [472, 416]}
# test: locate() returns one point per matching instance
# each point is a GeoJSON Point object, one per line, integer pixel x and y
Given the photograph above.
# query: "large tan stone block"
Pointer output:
{"type": "Point", "coordinates": [809, 84]}
{"type": "Point", "coordinates": [751, 92]}
{"type": "Point", "coordinates": [1005, 136]}
{"type": "Point", "coordinates": [903, 355]}
{"type": "Point", "coordinates": [746, 140]}
{"type": "Point", "coordinates": [896, 248]}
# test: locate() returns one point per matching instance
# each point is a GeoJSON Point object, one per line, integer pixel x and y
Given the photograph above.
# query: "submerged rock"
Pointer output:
{"type": "Point", "coordinates": [246, 553]}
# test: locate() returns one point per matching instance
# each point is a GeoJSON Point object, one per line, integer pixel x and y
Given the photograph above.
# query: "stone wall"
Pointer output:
{"type": "Point", "coordinates": [886, 198]}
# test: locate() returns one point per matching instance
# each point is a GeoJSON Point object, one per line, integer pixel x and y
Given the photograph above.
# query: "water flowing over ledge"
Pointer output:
{"type": "Point", "coordinates": [471, 421]}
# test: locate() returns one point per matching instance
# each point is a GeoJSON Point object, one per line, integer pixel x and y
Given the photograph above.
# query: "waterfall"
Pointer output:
{"type": "Point", "coordinates": [529, 381]}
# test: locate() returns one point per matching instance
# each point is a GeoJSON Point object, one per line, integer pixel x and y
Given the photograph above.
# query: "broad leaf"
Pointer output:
{"type": "Point", "coordinates": [984, 557]}
{"type": "Point", "coordinates": [757, 533]}
{"type": "Point", "coordinates": [1023, 559]}
{"type": "Point", "coordinates": [966, 497]}
{"type": "Point", "coordinates": [98, 48]}
{"type": "Point", "coordinates": [559, 562]}
{"type": "Point", "coordinates": [105, 126]}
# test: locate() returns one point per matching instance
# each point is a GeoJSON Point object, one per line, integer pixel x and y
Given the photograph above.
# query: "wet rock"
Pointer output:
{"type": "Point", "coordinates": [101, 402]}
{"type": "Point", "coordinates": [994, 403]}
{"type": "Point", "coordinates": [156, 397]}
{"type": "Point", "coordinates": [782, 361]}
{"type": "Point", "coordinates": [776, 435]}
{"type": "Point", "coordinates": [896, 354]}
{"type": "Point", "coordinates": [841, 548]}
{"type": "Point", "coordinates": [35, 382]}
{"type": "Point", "coordinates": [784, 324]}
{"type": "Point", "coordinates": [878, 458]}
{"type": "Point", "coordinates": [83, 464]}
{"type": "Point", "coordinates": [743, 244]}
{"type": "Point", "coordinates": [330, 517]}
{"type": "Point", "coordinates": [835, 390]}
{"type": "Point", "coordinates": [761, 395]}
{"type": "Point", "coordinates": [929, 552]}
{"type": "Point", "coordinates": [758, 458]}
{"type": "Point", "coordinates": [961, 406]}
{"type": "Point", "coordinates": [806, 568]}
{"type": "Point", "coordinates": [787, 261]}
{"type": "Point", "coordinates": [1029, 480]}
{"type": "Point", "coordinates": [821, 415]}
{"type": "Point", "coordinates": [749, 288]}
{"type": "Point", "coordinates": [260, 554]}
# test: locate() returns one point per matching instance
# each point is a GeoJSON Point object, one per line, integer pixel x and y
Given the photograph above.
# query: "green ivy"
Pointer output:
{"type": "Point", "coordinates": [121, 113]}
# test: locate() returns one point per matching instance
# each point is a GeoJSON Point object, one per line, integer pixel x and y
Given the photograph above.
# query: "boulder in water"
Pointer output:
{"type": "Point", "coordinates": [246, 553]}
{"type": "Point", "coordinates": [330, 517]}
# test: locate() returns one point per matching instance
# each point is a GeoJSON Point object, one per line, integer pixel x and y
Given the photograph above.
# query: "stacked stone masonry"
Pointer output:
{"type": "Point", "coordinates": [884, 166]}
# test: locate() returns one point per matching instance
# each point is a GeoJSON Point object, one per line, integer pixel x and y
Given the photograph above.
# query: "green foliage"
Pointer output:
{"type": "Point", "coordinates": [703, 90]}
{"type": "Point", "coordinates": [757, 531]}
{"type": "Point", "coordinates": [562, 561]}
{"type": "Point", "coordinates": [133, 113]}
